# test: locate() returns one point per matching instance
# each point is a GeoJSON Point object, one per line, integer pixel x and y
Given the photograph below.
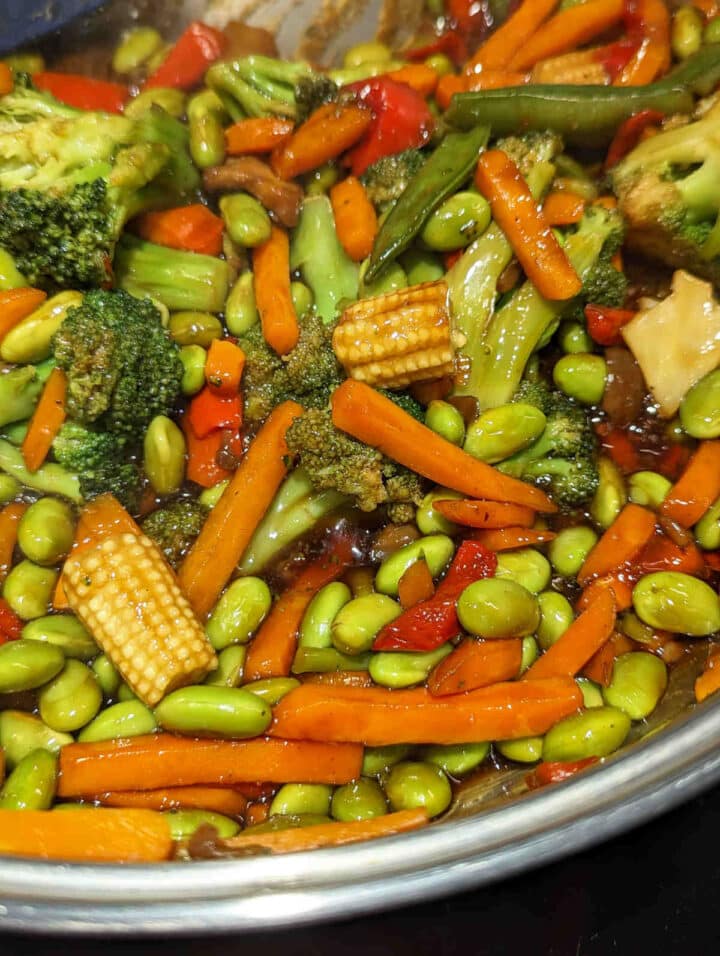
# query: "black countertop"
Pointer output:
{"type": "Point", "coordinates": [654, 890]}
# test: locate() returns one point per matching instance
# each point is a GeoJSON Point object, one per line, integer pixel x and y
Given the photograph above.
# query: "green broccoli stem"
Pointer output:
{"type": "Point", "coordinates": [259, 85]}
{"type": "Point", "coordinates": [49, 479]}
{"type": "Point", "coordinates": [325, 266]}
{"type": "Point", "coordinates": [20, 389]}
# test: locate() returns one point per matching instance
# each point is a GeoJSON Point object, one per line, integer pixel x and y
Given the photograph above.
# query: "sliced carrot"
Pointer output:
{"type": "Point", "coordinates": [372, 418]}
{"type": "Point", "coordinates": [202, 456]}
{"type": "Point", "coordinates": [224, 367]}
{"type": "Point", "coordinates": [623, 540]}
{"type": "Point", "coordinates": [271, 267]}
{"type": "Point", "coordinates": [709, 681]}
{"type": "Point", "coordinates": [568, 30]}
{"type": "Point", "coordinates": [9, 520]}
{"type": "Point", "coordinates": [216, 799]}
{"type": "Point", "coordinates": [416, 584]}
{"type": "Point", "coordinates": [600, 666]}
{"type": "Point", "coordinates": [563, 208]}
{"type": "Point", "coordinates": [257, 135]}
{"type": "Point", "coordinates": [6, 79]}
{"type": "Point", "coordinates": [497, 51]}
{"type": "Point", "coordinates": [421, 77]}
{"type": "Point", "coordinates": [17, 304]}
{"type": "Point", "coordinates": [475, 664]}
{"type": "Point", "coordinates": [697, 488]}
{"type": "Point", "coordinates": [356, 221]}
{"type": "Point", "coordinates": [46, 421]}
{"type": "Point", "coordinates": [508, 539]}
{"type": "Point", "coordinates": [330, 131]}
{"type": "Point", "coordinates": [653, 56]}
{"type": "Point", "coordinates": [192, 228]}
{"type": "Point", "coordinates": [485, 514]}
{"type": "Point", "coordinates": [447, 87]}
{"type": "Point", "coordinates": [617, 584]}
{"type": "Point", "coordinates": [573, 649]}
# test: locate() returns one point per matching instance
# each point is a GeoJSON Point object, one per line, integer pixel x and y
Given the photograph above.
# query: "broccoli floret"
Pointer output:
{"type": "Point", "coordinates": [258, 85]}
{"type": "Point", "coordinates": [387, 178]}
{"type": "Point", "coordinates": [175, 527]}
{"type": "Point", "coordinates": [313, 91]}
{"type": "Point", "coordinates": [100, 460]}
{"type": "Point", "coordinates": [405, 401]}
{"type": "Point", "coordinates": [531, 148]}
{"type": "Point", "coordinates": [603, 283]}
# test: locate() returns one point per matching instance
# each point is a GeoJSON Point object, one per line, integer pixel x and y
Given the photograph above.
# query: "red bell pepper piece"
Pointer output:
{"type": "Point", "coordinates": [434, 622]}
{"type": "Point", "coordinates": [451, 43]}
{"type": "Point", "coordinates": [471, 16]}
{"type": "Point", "coordinates": [556, 771]}
{"type": "Point", "coordinates": [186, 64]}
{"type": "Point", "coordinates": [604, 323]}
{"type": "Point", "coordinates": [629, 133]}
{"type": "Point", "coordinates": [83, 92]}
{"type": "Point", "coordinates": [618, 444]}
{"type": "Point", "coordinates": [402, 120]}
{"type": "Point", "coordinates": [615, 56]}
{"type": "Point", "coordinates": [10, 624]}
{"type": "Point", "coordinates": [210, 412]}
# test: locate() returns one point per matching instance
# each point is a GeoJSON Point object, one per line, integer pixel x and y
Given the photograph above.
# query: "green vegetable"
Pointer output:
{"type": "Point", "coordinates": [403, 669]}
{"type": "Point", "coordinates": [436, 549]}
{"type": "Point", "coordinates": [183, 823]}
{"type": "Point", "coordinates": [302, 298]}
{"type": "Point", "coordinates": [568, 551]}
{"type": "Point", "coordinates": [573, 338]}
{"type": "Point", "coordinates": [593, 733]}
{"type": "Point", "coordinates": [700, 409]}
{"type": "Point", "coordinates": [49, 479]}
{"type": "Point", "coordinates": [362, 799]}
{"type": "Point", "coordinates": [71, 699]}
{"type": "Point", "coordinates": [445, 420]}
{"type": "Point", "coordinates": [457, 222]}
{"type": "Point", "coordinates": [421, 266]}
{"type": "Point", "coordinates": [245, 219]}
{"type": "Point", "coordinates": [388, 177]}
{"type": "Point", "coordinates": [129, 718]}
{"type": "Point", "coordinates": [206, 117]}
{"type": "Point", "coordinates": [195, 328]}
{"type": "Point", "coordinates": [648, 488]}
{"type": "Point", "coordinates": [20, 389]}
{"type": "Point", "coordinates": [135, 49]}
{"type": "Point", "coordinates": [414, 784]}
{"type": "Point", "coordinates": [677, 602]}
{"type": "Point", "coordinates": [107, 677]}
{"type": "Point", "coordinates": [272, 689]}
{"type": "Point", "coordinates": [31, 339]}
{"type": "Point", "coordinates": [357, 624]}
{"type": "Point", "coordinates": [193, 358]}
{"type": "Point", "coordinates": [25, 665]}
{"type": "Point", "coordinates": [313, 91]}
{"type": "Point", "coordinates": [527, 567]}
{"type": "Point", "coordinates": [498, 608]}
{"type": "Point", "coordinates": [64, 631]}
{"type": "Point", "coordinates": [556, 616]}
{"type": "Point", "coordinates": [229, 672]}
{"type": "Point", "coordinates": [500, 432]}
{"type": "Point", "coordinates": [428, 519]}
{"type": "Point", "coordinates": [28, 589]}
{"type": "Point", "coordinates": [166, 98]}
{"type": "Point", "coordinates": [208, 711]}
{"type": "Point", "coordinates": [371, 51]}
{"type": "Point", "coordinates": [241, 313]}
{"type": "Point", "coordinates": [320, 614]}
{"type": "Point", "coordinates": [521, 750]}
{"type": "Point", "coordinates": [638, 682]}
{"type": "Point", "coordinates": [610, 496]}
{"type": "Point", "coordinates": [174, 527]}
{"type": "Point", "coordinates": [31, 785]}
{"type": "Point", "coordinates": [686, 35]}
{"type": "Point", "coordinates": [457, 760]}
{"type": "Point", "coordinates": [46, 531]}
{"type": "Point", "coordinates": [257, 85]}
{"type": "Point", "coordinates": [378, 759]}
{"type": "Point", "coordinates": [100, 462]}
{"type": "Point", "coordinates": [239, 612]}
{"type": "Point", "coordinates": [326, 660]}
{"type": "Point", "coordinates": [164, 455]}
{"type": "Point", "coordinates": [581, 376]}
{"type": "Point", "coordinates": [22, 733]}
{"type": "Point", "coordinates": [301, 798]}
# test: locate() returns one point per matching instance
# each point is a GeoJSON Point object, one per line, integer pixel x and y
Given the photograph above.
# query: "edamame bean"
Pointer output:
{"type": "Point", "coordinates": [502, 431]}
{"type": "Point", "coordinates": [288, 822]}
{"type": "Point", "coordinates": [592, 693]}
{"type": "Point", "coordinates": [10, 488]}
{"type": "Point", "coordinates": [358, 623]}
{"type": "Point", "coordinates": [403, 669]}
{"type": "Point", "coordinates": [28, 589]}
{"type": "Point", "coordinates": [677, 602]}
{"type": "Point", "coordinates": [164, 450]}
{"type": "Point", "coordinates": [457, 222]}
{"type": "Point", "coordinates": [183, 823]}
{"type": "Point", "coordinates": [326, 660]}
{"type": "Point", "coordinates": [392, 279]}
{"type": "Point", "coordinates": [25, 665]}
{"type": "Point", "coordinates": [707, 530]}
{"type": "Point", "coordinates": [206, 117]}
{"type": "Point", "coordinates": [630, 624]}
{"type": "Point", "coordinates": [71, 699]}
{"type": "Point", "coordinates": [437, 549]}
{"type": "Point", "coordinates": [445, 420]}
{"type": "Point", "coordinates": [32, 784]}
{"type": "Point", "coordinates": [648, 488]}
{"type": "Point", "coordinates": [421, 266]}
{"type": "Point", "coordinates": [125, 693]}
{"type": "Point", "coordinates": [700, 409]}
{"type": "Point", "coordinates": [46, 531]}
{"type": "Point", "coordinates": [193, 358]}
{"type": "Point", "coordinates": [712, 31]}
{"type": "Point", "coordinates": [529, 653]}
{"type": "Point", "coordinates": [573, 338]}
{"type": "Point", "coordinates": [10, 277]}
{"type": "Point", "coordinates": [361, 799]}
{"type": "Point", "coordinates": [498, 608]}
{"type": "Point", "coordinates": [441, 63]}
{"type": "Point", "coordinates": [414, 784]}
{"type": "Point", "coordinates": [208, 711]}
{"type": "Point", "coordinates": [241, 312]}
{"type": "Point", "coordinates": [321, 612]}
{"type": "Point", "coordinates": [106, 674]}
{"type": "Point", "coordinates": [129, 718]}
{"type": "Point", "coordinates": [21, 733]}
{"type": "Point", "coordinates": [245, 219]}
{"type": "Point", "coordinates": [239, 613]}
{"type": "Point", "coordinates": [195, 328]}
{"type": "Point", "coordinates": [31, 339]}
{"type": "Point", "coordinates": [135, 48]}
{"type": "Point", "coordinates": [686, 35]}
{"type": "Point", "coordinates": [64, 631]}
{"type": "Point", "coordinates": [302, 298]}
{"type": "Point", "coordinates": [527, 567]}
{"type": "Point", "coordinates": [429, 520]}
{"type": "Point", "coordinates": [556, 616]}
{"type": "Point", "coordinates": [522, 750]}
{"type": "Point", "coordinates": [376, 760]}
{"type": "Point", "coordinates": [570, 548]}
{"type": "Point", "coordinates": [610, 497]}
{"type": "Point", "coordinates": [171, 100]}
{"type": "Point", "coordinates": [638, 682]}
{"type": "Point", "coordinates": [370, 52]}
{"type": "Point", "coordinates": [593, 733]}
{"type": "Point", "coordinates": [272, 689]}
{"type": "Point", "coordinates": [457, 760]}
{"type": "Point", "coordinates": [581, 376]}
{"type": "Point", "coordinates": [300, 798]}
{"type": "Point", "coordinates": [231, 663]}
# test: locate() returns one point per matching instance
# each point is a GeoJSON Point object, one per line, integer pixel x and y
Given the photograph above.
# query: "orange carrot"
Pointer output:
{"type": "Point", "coordinates": [507, 539]}
{"type": "Point", "coordinates": [271, 266]}
{"type": "Point", "coordinates": [653, 56]}
{"type": "Point", "coordinates": [662, 554]}
{"type": "Point", "coordinates": [376, 716]}
{"type": "Point", "coordinates": [475, 664]}
{"type": "Point", "coordinates": [485, 514]}
{"type": "Point", "coordinates": [697, 488]}
{"type": "Point", "coordinates": [497, 52]}
{"type": "Point", "coordinates": [257, 135]}
{"type": "Point", "coordinates": [495, 80]}
{"type": "Point", "coordinates": [232, 522]}
{"type": "Point", "coordinates": [585, 636]}
{"type": "Point", "coordinates": [271, 651]}
{"type": "Point", "coordinates": [6, 79]}
{"type": "Point", "coordinates": [192, 228]}
{"type": "Point", "coordinates": [202, 455]}
{"type": "Point", "coordinates": [9, 520]}
{"type": "Point", "coordinates": [330, 131]}
{"type": "Point", "coordinates": [163, 760]}
{"type": "Point", "coordinates": [415, 584]}
{"type": "Point", "coordinates": [224, 367]}
{"type": "Point", "coordinates": [46, 421]}
{"type": "Point", "coordinates": [600, 666]}
{"type": "Point", "coordinates": [295, 839]}
{"type": "Point", "coordinates": [447, 87]}
{"type": "Point", "coordinates": [623, 540]}
{"type": "Point", "coordinates": [87, 835]}
{"type": "Point", "coordinates": [616, 584]}
{"type": "Point", "coordinates": [17, 304]}
{"type": "Point", "coordinates": [256, 813]}
{"type": "Point", "coordinates": [217, 799]}
{"type": "Point", "coordinates": [709, 681]}
{"type": "Point", "coordinates": [563, 208]}
{"type": "Point", "coordinates": [421, 77]}
{"type": "Point", "coordinates": [567, 30]}
{"type": "Point", "coordinates": [356, 221]}
{"type": "Point", "coordinates": [367, 415]}
{"type": "Point", "coordinates": [533, 241]}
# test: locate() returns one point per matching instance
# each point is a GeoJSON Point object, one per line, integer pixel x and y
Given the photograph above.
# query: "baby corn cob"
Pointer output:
{"type": "Point", "coordinates": [397, 338]}
{"type": "Point", "coordinates": [582, 67]}
{"type": "Point", "coordinates": [127, 597]}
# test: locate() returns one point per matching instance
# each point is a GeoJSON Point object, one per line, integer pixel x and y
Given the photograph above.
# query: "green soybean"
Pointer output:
{"type": "Point", "coordinates": [210, 496]}
{"type": "Point", "coordinates": [183, 823]}
{"type": "Point", "coordinates": [428, 519]}
{"type": "Point", "coordinates": [10, 488]}
{"type": "Point", "coordinates": [592, 694]}
{"type": "Point", "coordinates": [527, 567]}
{"type": "Point", "coordinates": [31, 339]}
{"type": "Point", "coordinates": [457, 222]}
{"type": "Point", "coordinates": [195, 328]}
{"type": "Point", "coordinates": [371, 51]}
{"type": "Point", "coordinates": [638, 682]}
{"type": "Point", "coordinates": [686, 35]}
{"type": "Point", "coordinates": [376, 760]}
{"type": "Point", "coordinates": [457, 760]}
{"type": "Point", "coordinates": [392, 280]}
{"type": "Point", "coordinates": [208, 711]}
{"type": "Point", "coordinates": [206, 117]}
{"type": "Point", "coordinates": [71, 699]}
{"type": "Point", "coordinates": [498, 608]}
{"type": "Point", "coordinates": [421, 266]}
{"type": "Point", "coordinates": [437, 549]}
{"type": "Point", "coordinates": [301, 798]}
{"type": "Point", "coordinates": [28, 589]}
{"type": "Point", "coordinates": [164, 450]}
{"type": "Point", "coordinates": [125, 693]}
{"type": "Point", "coordinates": [573, 338]}
{"type": "Point", "coordinates": [241, 312]}
{"type": "Point", "coordinates": [193, 358]}
{"type": "Point", "coordinates": [677, 602]}
{"type": "Point", "coordinates": [135, 48]}
{"type": "Point", "coordinates": [46, 531]}
{"type": "Point", "coordinates": [581, 376]}
{"type": "Point", "coordinates": [593, 733]}
{"type": "Point", "coordinates": [272, 689]}
{"type": "Point", "coordinates": [171, 100]}
{"type": "Point", "coordinates": [707, 530]}
{"type": "Point", "coordinates": [326, 660]}
{"type": "Point", "coordinates": [413, 784]}
{"type": "Point", "coordinates": [302, 298]}
{"type": "Point", "coordinates": [521, 750]}
{"type": "Point", "coordinates": [106, 674]}
{"type": "Point", "coordinates": [711, 33]}
{"type": "Point", "coordinates": [129, 718]}
{"type": "Point", "coordinates": [64, 631]}
{"type": "Point", "coordinates": [556, 616]}
{"type": "Point", "coordinates": [10, 277]}
{"type": "Point", "coordinates": [610, 497]}
{"type": "Point", "coordinates": [500, 432]}
{"type": "Point", "coordinates": [648, 488]}
{"type": "Point", "coordinates": [231, 663]}
{"type": "Point", "coordinates": [239, 613]}
{"type": "Point", "coordinates": [570, 548]}
{"type": "Point", "coordinates": [25, 665]}
{"type": "Point", "coordinates": [404, 669]}
{"type": "Point", "coordinates": [445, 420]}
{"type": "Point", "coordinates": [246, 220]}
{"type": "Point", "coordinates": [32, 784]}
{"type": "Point", "coordinates": [700, 409]}
{"type": "Point", "coordinates": [288, 822]}
{"type": "Point", "coordinates": [21, 733]}
{"type": "Point", "coordinates": [357, 624]}
{"type": "Point", "coordinates": [441, 63]}
{"type": "Point", "coordinates": [315, 628]}
{"type": "Point", "coordinates": [529, 653]}
{"type": "Point", "coordinates": [361, 799]}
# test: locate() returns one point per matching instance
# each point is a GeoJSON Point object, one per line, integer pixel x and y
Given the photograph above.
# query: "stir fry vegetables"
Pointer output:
{"type": "Point", "coordinates": [359, 425]}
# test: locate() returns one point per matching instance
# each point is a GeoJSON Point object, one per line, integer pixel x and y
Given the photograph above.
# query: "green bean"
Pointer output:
{"type": "Point", "coordinates": [206, 118]}
{"type": "Point", "coordinates": [677, 602]}
{"type": "Point", "coordinates": [135, 48]}
{"type": "Point", "coordinates": [457, 222]}
{"type": "Point", "coordinates": [527, 567]}
{"type": "Point", "coordinates": [106, 674]}
{"type": "Point", "coordinates": [570, 548]}
{"type": "Point", "coordinates": [302, 298]}
{"type": "Point", "coordinates": [556, 616]}
{"type": "Point", "coordinates": [231, 663]}
{"type": "Point", "coordinates": [241, 313]}
{"type": "Point", "coordinates": [370, 52]}
{"type": "Point", "coordinates": [210, 496]}
{"type": "Point", "coordinates": [64, 631]}
{"type": "Point", "coordinates": [573, 338]}
{"type": "Point", "coordinates": [592, 692]}
{"type": "Point", "coordinates": [326, 660]}
{"type": "Point", "coordinates": [521, 750]}
{"type": "Point", "coordinates": [239, 613]}
{"type": "Point", "coordinates": [22, 733]}
{"type": "Point", "coordinates": [32, 784]}
{"type": "Point", "coordinates": [272, 689]}
{"type": "Point", "coordinates": [171, 100]}
{"type": "Point", "coordinates": [437, 549]}
{"type": "Point", "coordinates": [183, 823]}
{"type": "Point", "coordinates": [593, 733]}
{"type": "Point", "coordinates": [358, 623]}
{"type": "Point", "coordinates": [457, 760]}
{"type": "Point", "coordinates": [376, 760]}
{"type": "Point", "coordinates": [129, 718]}
{"type": "Point", "coordinates": [581, 376]}
{"type": "Point", "coordinates": [28, 589]}
{"type": "Point", "coordinates": [71, 699]}
{"type": "Point", "coordinates": [392, 279]}
{"type": "Point", "coordinates": [10, 488]}
{"type": "Point", "coordinates": [638, 682]}
{"type": "Point", "coordinates": [164, 450]}
{"type": "Point", "coordinates": [209, 711]}
{"type": "Point", "coordinates": [501, 432]}
{"type": "Point", "coordinates": [421, 266]}
{"type": "Point", "coordinates": [445, 420]}
{"type": "Point", "coordinates": [498, 608]}
{"type": "Point", "coordinates": [403, 669]}
{"type": "Point", "coordinates": [195, 328]}
{"type": "Point", "coordinates": [686, 35]}
{"type": "Point", "coordinates": [429, 520]}
{"type": "Point", "coordinates": [321, 612]}
{"type": "Point", "coordinates": [193, 358]}
{"type": "Point", "coordinates": [46, 531]}
{"type": "Point", "coordinates": [361, 799]}
{"type": "Point", "coordinates": [707, 530]}
{"type": "Point", "coordinates": [246, 220]}
{"type": "Point", "coordinates": [700, 409]}
{"type": "Point", "coordinates": [648, 488]}
{"type": "Point", "coordinates": [31, 339]}
{"type": "Point", "coordinates": [300, 798]}
{"type": "Point", "coordinates": [415, 784]}
{"type": "Point", "coordinates": [529, 653]}
{"type": "Point", "coordinates": [711, 33]}
{"type": "Point", "coordinates": [10, 277]}
{"type": "Point", "coordinates": [610, 497]}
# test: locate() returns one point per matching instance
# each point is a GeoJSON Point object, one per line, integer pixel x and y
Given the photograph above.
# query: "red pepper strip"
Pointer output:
{"type": "Point", "coordinates": [604, 323]}
{"type": "Point", "coordinates": [434, 622]}
{"type": "Point", "coordinates": [471, 16]}
{"type": "Point", "coordinates": [556, 771]}
{"type": "Point", "coordinates": [210, 412]}
{"type": "Point", "coordinates": [186, 64]}
{"type": "Point", "coordinates": [619, 446]}
{"type": "Point", "coordinates": [83, 92]}
{"type": "Point", "coordinates": [662, 554]}
{"type": "Point", "coordinates": [451, 43]}
{"type": "Point", "coordinates": [401, 120]}
{"type": "Point", "coordinates": [615, 56]}
{"type": "Point", "coordinates": [10, 624]}
{"type": "Point", "coordinates": [629, 133]}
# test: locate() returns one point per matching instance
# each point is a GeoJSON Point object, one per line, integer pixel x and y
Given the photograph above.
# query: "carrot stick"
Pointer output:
{"type": "Point", "coordinates": [9, 520]}
{"type": "Point", "coordinates": [17, 304]}
{"type": "Point", "coordinates": [620, 588]}
{"type": "Point", "coordinates": [224, 367]}
{"type": "Point", "coordinates": [516, 212]}
{"type": "Point", "coordinates": [485, 514]}
{"type": "Point", "coordinates": [46, 421]}
{"type": "Point", "coordinates": [568, 30]}
{"type": "Point", "coordinates": [367, 415]}
{"type": "Point", "coordinates": [421, 77]}
{"type": "Point", "coordinates": [563, 208]}
{"type": "Point", "coordinates": [162, 760]}
{"type": "Point", "coordinates": [376, 716]}
{"type": "Point", "coordinates": [653, 56]}
{"type": "Point", "coordinates": [330, 131]}
{"type": "Point", "coordinates": [6, 79]}
{"type": "Point", "coordinates": [295, 839]}
{"type": "Point", "coordinates": [271, 266]}
{"type": "Point", "coordinates": [232, 522]}
{"type": "Point", "coordinates": [497, 52]}
{"type": "Point", "coordinates": [89, 835]}
{"type": "Point", "coordinates": [507, 539]}
{"type": "Point", "coordinates": [257, 135]}
{"type": "Point", "coordinates": [356, 221]}
{"type": "Point", "coordinates": [416, 584]}
{"type": "Point", "coordinates": [623, 540]}
{"type": "Point", "coordinates": [271, 651]}
{"type": "Point", "coordinates": [193, 228]}
{"type": "Point", "coordinates": [448, 86]}
{"type": "Point", "coordinates": [475, 664]}
{"type": "Point", "coordinates": [600, 666]}
{"type": "Point", "coordinates": [217, 799]}
{"type": "Point", "coordinates": [709, 681]}
{"type": "Point", "coordinates": [697, 488]}
{"type": "Point", "coordinates": [585, 636]}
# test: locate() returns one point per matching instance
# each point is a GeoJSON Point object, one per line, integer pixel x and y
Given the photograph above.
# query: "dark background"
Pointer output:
{"type": "Point", "coordinates": [655, 890]}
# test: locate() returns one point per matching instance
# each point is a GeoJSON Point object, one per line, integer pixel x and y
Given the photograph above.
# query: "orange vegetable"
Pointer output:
{"type": "Point", "coordinates": [421, 77]}
{"type": "Point", "coordinates": [662, 554]}
{"type": "Point", "coordinates": [89, 835]}
{"type": "Point", "coordinates": [415, 584]}
{"type": "Point", "coordinates": [568, 30]}
{"type": "Point", "coordinates": [163, 760]}
{"type": "Point", "coordinates": [202, 464]}
{"type": "Point", "coordinates": [600, 666]}
{"type": "Point", "coordinates": [617, 584]}
{"type": "Point", "coordinates": [192, 228]}
{"type": "Point", "coordinates": [257, 813]}
{"type": "Point", "coordinates": [585, 636]}
{"type": "Point", "coordinates": [497, 52]}
{"type": "Point", "coordinates": [17, 304]}
{"type": "Point", "coordinates": [447, 87]}
{"type": "Point", "coordinates": [495, 80]}
{"type": "Point", "coordinates": [507, 539]}
{"type": "Point", "coordinates": [6, 79]}
{"type": "Point", "coordinates": [475, 664]}
{"type": "Point", "coordinates": [524, 224]}
{"type": "Point", "coordinates": [340, 679]}
{"type": "Point", "coordinates": [697, 488]}
{"type": "Point", "coordinates": [376, 716]}
{"type": "Point", "coordinates": [330, 131]}
{"type": "Point", "coordinates": [9, 520]}
{"type": "Point", "coordinates": [485, 514]}
{"type": "Point", "coordinates": [46, 421]}
{"type": "Point", "coordinates": [257, 135]}
{"type": "Point", "coordinates": [217, 799]}
{"type": "Point", "coordinates": [224, 367]}
{"type": "Point", "coordinates": [232, 522]}
{"type": "Point", "coordinates": [271, 266]}
{"type": "Point", "coordinates": [709, 681]}
{"type": "Point", "coordinates": [356, 221]}
{"type": "Point", "coordinates": [367, 415]}
{"type": "Point", "coordinates": [653, 56]}
{"type": "Point", "coordinates": [563, 208]}
{"type": "Point", "coordinates": [623, 540]}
